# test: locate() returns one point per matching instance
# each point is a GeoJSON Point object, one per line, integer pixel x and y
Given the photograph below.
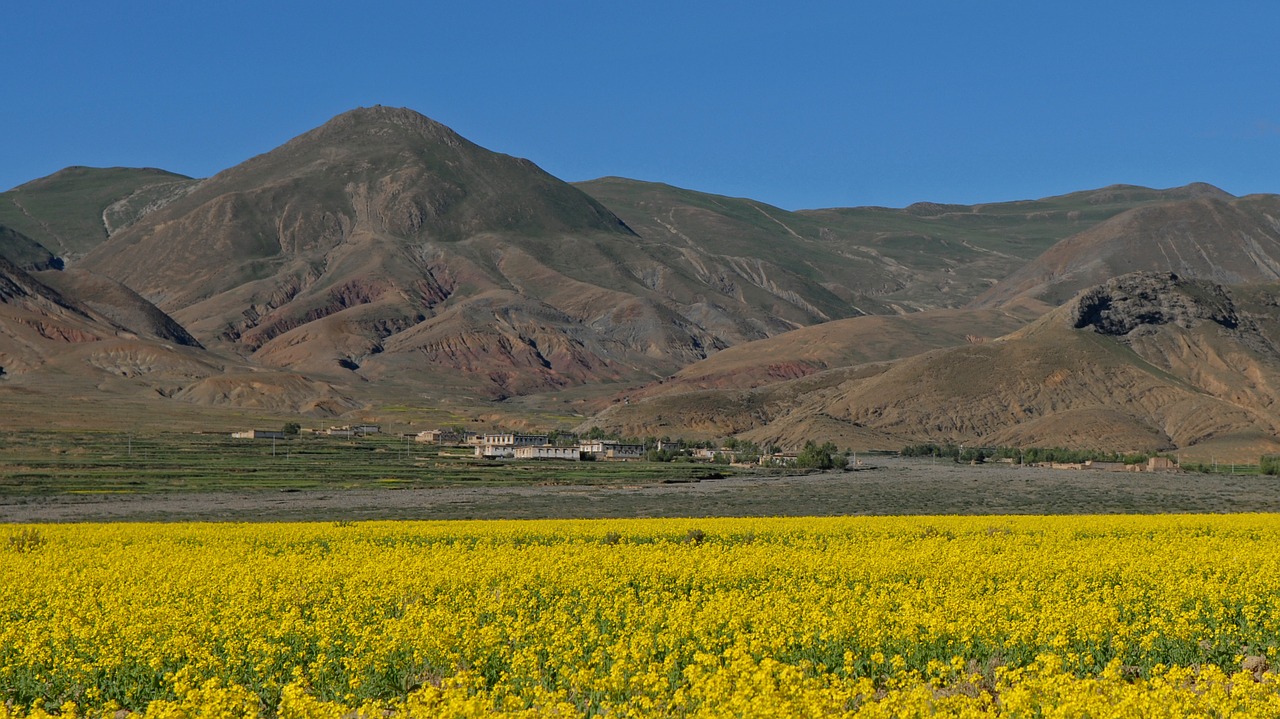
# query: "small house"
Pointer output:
{"type": "Point", "coordinates": [258, 434]}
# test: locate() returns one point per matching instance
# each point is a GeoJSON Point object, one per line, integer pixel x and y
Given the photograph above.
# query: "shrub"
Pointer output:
{"type": "Point", "coordinates": [26, 540]}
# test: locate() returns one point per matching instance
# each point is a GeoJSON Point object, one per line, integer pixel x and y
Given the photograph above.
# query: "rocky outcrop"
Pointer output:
{"type": "Point", "coordinates": [1140, 302]}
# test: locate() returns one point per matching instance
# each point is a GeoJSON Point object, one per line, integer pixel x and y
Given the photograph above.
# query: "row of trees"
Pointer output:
{"type": "Point", "coordinates": [1029, 455]}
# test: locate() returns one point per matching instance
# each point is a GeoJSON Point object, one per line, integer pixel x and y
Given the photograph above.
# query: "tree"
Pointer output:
{"type": "Point", "coordinates": [815, 456]}
{"type": "Point", "coordinates": [291, 428]}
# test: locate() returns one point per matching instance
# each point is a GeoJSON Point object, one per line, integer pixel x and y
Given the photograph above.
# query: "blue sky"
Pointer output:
{"type": "Point", "coordinates": [797, 104]}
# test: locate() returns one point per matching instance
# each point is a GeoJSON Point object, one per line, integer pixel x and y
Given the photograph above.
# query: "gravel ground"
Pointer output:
{"type": "Point", "coordinates": [889, 487]}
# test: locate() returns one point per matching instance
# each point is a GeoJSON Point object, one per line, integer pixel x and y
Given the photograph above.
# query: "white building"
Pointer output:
{"type": "Point", "coordinates": [608, 449]}
{"type": "Point", "coordinates": [510, 439]}
{"type": "Point", "coordinates": [572, 454]}
{"type": "Point", "coordinates": [495, 451]}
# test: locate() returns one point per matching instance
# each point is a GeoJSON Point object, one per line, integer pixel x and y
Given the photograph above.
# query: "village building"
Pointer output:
{"type": "Point", "coordinates": [258, 434]}
{"type": "Point", "coordinates": [502, 445]}
{"type": "Point", "coordinates": [495, 451]}
{"type": "Point", "coordinates": [779, 459]}
{"type": "Point", "coordinates": [1105, 466]}
{"type": "Point", "coordinates": [353, 430]}
{"type": "Point", "coordinates": [608, 449]}
{"type": "Point", "coordinates": [572, 454]}
{"type": "Point", "coordinates": [511, 439]}
{"type": "Point", "coordinates": [439, 436]}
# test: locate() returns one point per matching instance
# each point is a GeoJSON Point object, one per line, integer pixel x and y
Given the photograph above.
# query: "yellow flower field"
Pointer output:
{"type": "Point", "coordinates": [866, 617]}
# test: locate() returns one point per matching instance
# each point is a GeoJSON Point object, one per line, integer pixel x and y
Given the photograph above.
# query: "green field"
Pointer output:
{"type": "Point", "coordinates": [45, 463]}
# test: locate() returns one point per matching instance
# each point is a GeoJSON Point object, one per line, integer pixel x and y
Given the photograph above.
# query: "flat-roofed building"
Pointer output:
{"type": "Point", "coordinates": [572, 454]}
{"type": "Point", "coordinates": [609, 449]}
{"type": "Point", "coordinates": [258, 434]}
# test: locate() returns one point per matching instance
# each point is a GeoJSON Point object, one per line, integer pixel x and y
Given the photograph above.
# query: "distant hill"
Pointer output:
{"type": "Point", "coordinates": [1142, 362]}
{"type": "Point", "coordinates": [879, 260]}
{"type": "Point", "coordinates": [1224, 240]}
{"type": "Point", "coordinates": [74, 210]}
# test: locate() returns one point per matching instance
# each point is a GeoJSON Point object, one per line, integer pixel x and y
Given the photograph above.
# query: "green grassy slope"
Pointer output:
{"type": "Point", "coordinates": [64, 211]}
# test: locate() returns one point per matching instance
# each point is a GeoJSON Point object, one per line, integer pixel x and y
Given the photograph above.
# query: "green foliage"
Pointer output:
{"type": "Point", "coordinates": [1269, 464]}
{"type": "Point", "coordinates": [815, 456]}
{"type": "Point", "coordinates": [291, 428]}
{"type": "Point", "coordinates": [659, 455]}
{"type": "Point", "coordinates": [694, 536]}
{"type": "Point", "coordinates": [1023, 455]}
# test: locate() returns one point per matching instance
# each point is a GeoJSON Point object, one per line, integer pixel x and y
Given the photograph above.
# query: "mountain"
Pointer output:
{"type": "Point", "coordinates": [382, 259]}
{"type": "Point", "coordinates": [73, 210]}
{"type": "Point", "coordinates": [1221, 239]}
{"type": "Point", "coordinates": [383, 246]}
{"type": "Point", "coordinates": [1141, 362]}
{"type": "Point", "coordinates": [879, 260]}
{"type": "Point", "coordinates": [383, 249]}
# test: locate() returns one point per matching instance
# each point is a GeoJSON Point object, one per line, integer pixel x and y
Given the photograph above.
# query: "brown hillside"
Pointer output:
{"type": "Point", "coordinates": [840, 343]}
{"type": "Point", "coordinates": [1141, 362]}
{"type": "Point", "coordinates": [115, 350]}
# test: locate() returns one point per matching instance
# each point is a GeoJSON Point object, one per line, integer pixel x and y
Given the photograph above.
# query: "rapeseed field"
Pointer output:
{"type": "Point", "coordinates": [1167, 616]}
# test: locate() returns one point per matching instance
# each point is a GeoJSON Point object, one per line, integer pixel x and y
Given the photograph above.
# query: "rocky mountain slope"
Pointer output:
{"type": "Point", "coordinates": [71, 340]}
{"type": "Point", "coordinates": [1142, 362]}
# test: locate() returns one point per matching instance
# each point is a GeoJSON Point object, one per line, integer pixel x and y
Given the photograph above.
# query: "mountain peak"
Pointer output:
{"type": "Point", "coordinates": [384, 115]}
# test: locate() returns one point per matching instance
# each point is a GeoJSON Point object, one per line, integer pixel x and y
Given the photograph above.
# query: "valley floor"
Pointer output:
{"type": "Point", "coordinates": [890, 486]}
